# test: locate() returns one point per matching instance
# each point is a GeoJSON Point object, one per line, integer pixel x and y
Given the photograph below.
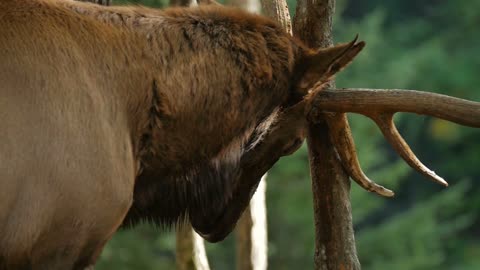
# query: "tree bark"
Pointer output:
{"type": "Point", "coordinates": [278, 10]}
{"type": "Point", "coordinates": [313, 22]}
{"type": "Point", "coordinates": [334, 236]}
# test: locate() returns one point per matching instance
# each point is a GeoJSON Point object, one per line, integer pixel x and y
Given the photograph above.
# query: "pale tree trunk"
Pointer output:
{"type": "Point", "coordinates": [251, 231]}
{"type": "Point", "coordinates": [190, 250]}
{"type": "Point", "coordinates": [334, 236]}
{"type": "Point", "coordinates": [249, 5]}
{"type": "Point", "coordinates": [278, 10]}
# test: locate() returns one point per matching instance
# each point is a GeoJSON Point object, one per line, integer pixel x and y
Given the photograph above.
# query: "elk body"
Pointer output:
{"type": "Point", "coordinates": [111, 116]}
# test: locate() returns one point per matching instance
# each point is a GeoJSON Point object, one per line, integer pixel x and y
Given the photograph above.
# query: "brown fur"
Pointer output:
{"type": "Point", "coordinates": [114, 112]}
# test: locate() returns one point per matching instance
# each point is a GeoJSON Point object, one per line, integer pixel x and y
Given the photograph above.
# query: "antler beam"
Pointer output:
{"type": "Point", "coordinates": [371, 102]}
{"type": "Point", "coordinates": [380, 106]}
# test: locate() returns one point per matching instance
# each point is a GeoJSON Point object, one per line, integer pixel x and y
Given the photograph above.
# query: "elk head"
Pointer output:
{"type": "Point", "coordinates": [313, 70]}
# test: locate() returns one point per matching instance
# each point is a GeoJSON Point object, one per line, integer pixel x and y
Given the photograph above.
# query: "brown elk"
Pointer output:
{"type": "Point", "coordinates": [113, 115]}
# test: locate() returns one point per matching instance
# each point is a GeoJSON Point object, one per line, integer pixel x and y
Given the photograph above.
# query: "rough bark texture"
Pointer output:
{"type": "Point", "coordinates": [334, 237]}
{"type": "Point", "coordinates": [190, 250]}
{"type": "Point", "coordinates": [278, 10]}
{"type": "Point", "coordinates": [313, 22]}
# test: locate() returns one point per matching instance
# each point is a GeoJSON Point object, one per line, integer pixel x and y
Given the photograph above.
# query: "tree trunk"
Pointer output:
{"type": "Point", "coordinates": [278, 10]}
{"type": "Point", "coordinates": [251, 241]}
{"type": "Point", "coordinates": [248, 5]}
{"type": "Point", "coordinates": [251, 233]}
{"type": "Point", "coordinates": [190, 250]}
{"type": "Point", "coordinates": [334, 236]}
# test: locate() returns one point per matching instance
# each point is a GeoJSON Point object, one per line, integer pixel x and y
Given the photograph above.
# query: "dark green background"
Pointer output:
{"type": "Point", "coordinates": [428, 45]}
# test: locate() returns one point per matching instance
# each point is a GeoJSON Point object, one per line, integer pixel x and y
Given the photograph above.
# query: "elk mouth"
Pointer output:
{"type": "Point", "coordinates": [217, 230]}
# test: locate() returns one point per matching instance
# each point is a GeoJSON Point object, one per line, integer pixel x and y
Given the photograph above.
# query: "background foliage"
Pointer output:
{"type": "Point", "coordinates": [430, 45]}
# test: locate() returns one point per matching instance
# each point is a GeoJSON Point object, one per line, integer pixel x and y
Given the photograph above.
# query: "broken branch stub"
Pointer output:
{"type": "Point", "coordinates": [380, 106]}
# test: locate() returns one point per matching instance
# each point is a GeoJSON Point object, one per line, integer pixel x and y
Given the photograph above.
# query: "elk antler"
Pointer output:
{"type": "Point", "coordinates": [380, 106]}
{"type": "Point", "coordinates": [342, 139]}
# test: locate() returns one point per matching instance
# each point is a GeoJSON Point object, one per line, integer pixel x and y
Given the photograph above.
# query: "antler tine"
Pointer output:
{"type": "Point", "coordinates": [343, 140]}
{"type": "Point", "coordinates": [380, 105]}
{"type": "Point", "coordinates": [390, 132]}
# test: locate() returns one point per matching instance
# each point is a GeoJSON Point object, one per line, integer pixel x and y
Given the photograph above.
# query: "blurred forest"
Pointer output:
{"type": "Point", "coordinates": [427, 45]}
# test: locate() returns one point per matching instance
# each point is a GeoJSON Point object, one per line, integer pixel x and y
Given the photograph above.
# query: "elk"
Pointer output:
{"type": "Point", "coordinates": [116, 115]}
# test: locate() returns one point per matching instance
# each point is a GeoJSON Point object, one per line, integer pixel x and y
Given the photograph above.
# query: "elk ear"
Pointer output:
{"type": "Point", "coordinates": [320, 66]}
